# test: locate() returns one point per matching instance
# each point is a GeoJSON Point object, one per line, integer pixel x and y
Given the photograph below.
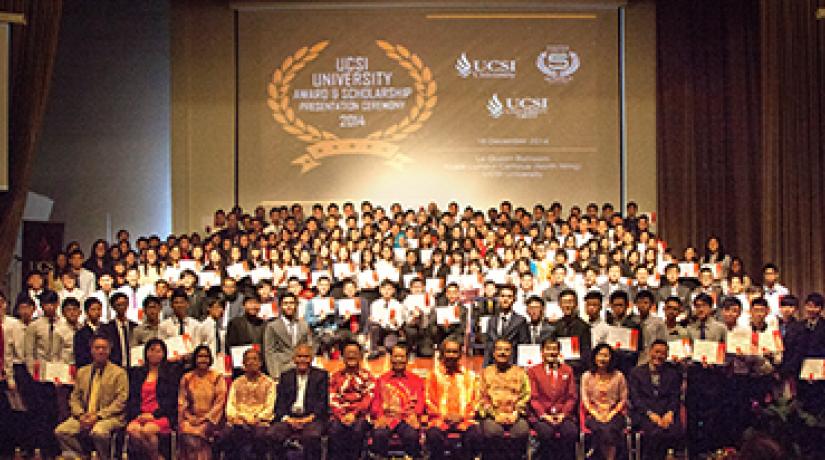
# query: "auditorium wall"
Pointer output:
{"type": "Point", "coordinates": [104, 153]}
{"type": "Point", "coordinates": [203, 113]}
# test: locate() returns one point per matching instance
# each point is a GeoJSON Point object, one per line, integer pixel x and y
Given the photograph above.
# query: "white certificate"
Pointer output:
{"type": "Point", "coordinates": [261, 273]}
{"type": "Point", "coordinates": [386, 271]}
{"type": "Point", "coordinates": [570, 349]}
{"type": "Point", "coordinates": [368, 279]}
{"type": "Point", "coordinates": [421, 302]}
{"type": "Point", "coordinates": [349, 307]}
{"type": "Point", "coordinates": [296, 271]}
{"type": "Point", "coordinates": [741, 343]}
{"type": "Point", "coordinates": [172, 275]}
{"type": "Point", "coordinates": [236, 271]}
{"type": "Point", "coordinates": [54, 371]}
{"type": "Point", "coordinates": [679, 349]}
{"type": "Point", "coordinates": [399, 254]}
{"type": "Point", "coordinates": [188, 265]}
{"type": "Point", "coordinates": [529, 355]}
{"type": "Point", "coordinates": [623, 338]}
{"type": "Point", "coordinates": [268, 310]}
{"type": "Point", "coordinates": [412, 243]}
{"type": "Point", "coordinates": [408, 279]}
{"type": "Point", "coordinates": [237, 354]}
{"type": "Point", "coordinates": [709, 352]}
{"type": "Point", "coordinates": [497, 275]}
{"type": "Point", "coordinates": [136, 356]}
{"type": "Point", "coordinates": [323, 306]}
{"type": "Point", "coordinates": [812, 369]}
{"type": "Point", "coordinates": [342, 270]}
{"type": "Point", "coordinates": [425, 255]}
{"type": "Point", "coordinates": [770, 341]}
{"type": "Point", "coordinates": [447, 315]}
{"type": "Point", "coordinates": [688, 270]}
{"type": "Point", "coordinates": [222, 364]}
{"type": "Point", "coordinates": [179, 346]}
{"type": "Point", "coordinates": [552, 311]}
{"type": "Point", "coordinates": [208, 279]}
{"type": "Point", "coordinates": [434, 285]}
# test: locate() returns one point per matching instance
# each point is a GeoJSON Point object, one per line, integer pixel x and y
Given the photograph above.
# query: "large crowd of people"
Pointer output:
{"type": "Point", "coordinates": [540, 325]}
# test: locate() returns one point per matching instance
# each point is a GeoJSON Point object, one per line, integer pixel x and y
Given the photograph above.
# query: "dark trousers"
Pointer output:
{"type": "Point", "coordinates": [557, 441]}
{"type": "Point", "coordinates": [42, 414]}
{"type": "Point", "coordinates": [421, 336]}
{"type": "Point", "coordinates": [244, 442]}
{"type": "Point", "coordinates": [406, 434]}
{"type": "Point", "coordinates": [345, 442]}
{"type": "Point", "coordinates": [706, 431]}
{"type": "Point", "coordinates": [608, 434]}
{"type": "Point", "coordinates": [309, 438]}
{"type": "Point", "coordinates": [504, 441]}
{"type": "Point", "coordinates": [656, 441]}
{"type": "Point", "coordinates": [381, 338]}
{"type": "Point", "coordinates": [438, 443]}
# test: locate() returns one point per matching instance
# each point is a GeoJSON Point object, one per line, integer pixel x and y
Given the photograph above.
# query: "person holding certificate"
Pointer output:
{"type": "Point", "coordinates": [604, 398]}
{"type": "Point", "coordinates": [97, 403]}
{"type": "Point", "coordinates": [321, 316]}
{"type": "Point", "coordinates": [570, 325]}
{"type": "Point", "coordinates": [504, 393]}
{"type": "Point", "coordinates": [353, 312]}
{"type": "Point", "coordinates": [620, 317]}
{"type": "Point", "coordinates": [553, 397]}
{"type": "Point", "coordinates": [506, 325]}
{"type": "Point", "coordinates": [806, 339]}
{"type": "Point", "coordinates": [387, 318]}
{"type": "Point", "coordinates": [705, 382]}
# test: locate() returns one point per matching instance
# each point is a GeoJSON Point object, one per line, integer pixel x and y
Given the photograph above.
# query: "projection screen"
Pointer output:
{"type": "Point", "coordinates": [421, 104]}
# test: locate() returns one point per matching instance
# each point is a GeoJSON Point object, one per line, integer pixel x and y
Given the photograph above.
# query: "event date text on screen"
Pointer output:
{"type": "Point", "coordinates": [351, 120]}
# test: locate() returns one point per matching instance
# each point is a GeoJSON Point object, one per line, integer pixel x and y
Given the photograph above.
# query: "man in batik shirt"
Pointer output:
{"type": "Point", "coordinates": [397, 406]}
{"type": "Point", "coordinates": [350, 396]}
{"type": "Point", "coordinates": [504, 391]}
{"type": "Point", "coordinates": [451, 403]}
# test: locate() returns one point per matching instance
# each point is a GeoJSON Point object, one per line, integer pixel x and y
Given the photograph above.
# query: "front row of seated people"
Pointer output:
{"type": "Point", "coordinates": [456, 410]}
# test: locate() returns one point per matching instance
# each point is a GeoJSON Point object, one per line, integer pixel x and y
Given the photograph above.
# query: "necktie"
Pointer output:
{"type": "Point", "coordinates": [502, 325]}
{"type": "Point", "coordinates": [124, 343]}
{"type": "Point", "coordinates": [93, 393]}
{"type": "Point", "coordinates": [51, 337]}
{"type": "Point", "coordinates": [180, 327]}
{"type": "Point", "coordinates": [535, 334]}
{"type": "Point", "coordinates": [702, 331]}
{"type": "Point", "coordinates": [218, 347]}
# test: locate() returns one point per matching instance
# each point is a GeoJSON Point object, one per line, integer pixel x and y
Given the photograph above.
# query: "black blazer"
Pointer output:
{"type": "Point", "coordinates": [645, 397]}
{"type": "Point", "coordinates": [316, 398]}
{"type": "Point", "coordinates": [515, 332]}
{"type": "Point", "coordinates": [244, 330]}
{"type": "Point", "coordinates": [169, 375]}
{"type": "Point", "coordinates": [82, 346]}
{"type": "Point", "coordinates": [110, 329]}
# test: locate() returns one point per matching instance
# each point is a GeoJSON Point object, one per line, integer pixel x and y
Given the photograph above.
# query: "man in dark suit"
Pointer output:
{"type": "Point", "coordinates": [570, 325]}
{"type": "Point", "coordinates": [671, 287]}
{"type": "Point", "coordinates": [302, 405]}
{"type": "Point", "coordinates": [553, 397]}
{"type": "Point", "coordinates": [247, 329]}
{"type": "Point", "coordinates": [83, 337]}
{"type": "Point", "coordinates": [506, 325]}
{"type": "Point", "coordinates": [806, 339]}
{"type": "Point", "coordinates": [655, 394]}
{"type": "Point", "coordinates": [119, 330]}
{"type": "Point", "coordinates": [538, 329]}
{"type": "Point", "coordinates": [484, 306]}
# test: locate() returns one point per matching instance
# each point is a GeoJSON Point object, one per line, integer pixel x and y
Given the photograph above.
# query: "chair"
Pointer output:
{"type": "Point", "coordinates": [581, 448]}
{"type": "Point", "coordinates": [167, 444]}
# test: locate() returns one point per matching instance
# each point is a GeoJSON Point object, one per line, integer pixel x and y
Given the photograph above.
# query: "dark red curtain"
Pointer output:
{"type": "Point", "coordinates": [709, 125]}
{"type": "Point", "coordinates": [793, 162]}
{"type": "Point", "coordinates": [741, 143]}
{"type": "Point", "coordinates": [32, 58]}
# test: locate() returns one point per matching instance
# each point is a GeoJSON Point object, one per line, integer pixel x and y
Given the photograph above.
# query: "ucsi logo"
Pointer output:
{"type": "Point", "coordinates": [485, 68]}
{"type": "Point", "coordinates": [519, 107]}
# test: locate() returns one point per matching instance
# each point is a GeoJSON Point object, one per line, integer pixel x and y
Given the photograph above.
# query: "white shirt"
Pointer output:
{"type": "Point", "coordinates": [388, 315]}
{"type": "Point", "coordinates": [170, 327]}
{"type": "Point", "coordinates": [301, 384]}
{"type": "Point", "coordinates": [13, 337]}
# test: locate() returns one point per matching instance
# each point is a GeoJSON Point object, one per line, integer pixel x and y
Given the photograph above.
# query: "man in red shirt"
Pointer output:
{"type": "Point", "coordinates": [397, 406]}
{"type": "Point", "coordinates": [350, 396]}
{"type": "Point", "coordinates": [553, 403]}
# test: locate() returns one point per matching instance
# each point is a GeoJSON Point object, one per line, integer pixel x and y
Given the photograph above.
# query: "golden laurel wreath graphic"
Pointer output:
{"type": "Point", "coordinates": [325, 143]}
